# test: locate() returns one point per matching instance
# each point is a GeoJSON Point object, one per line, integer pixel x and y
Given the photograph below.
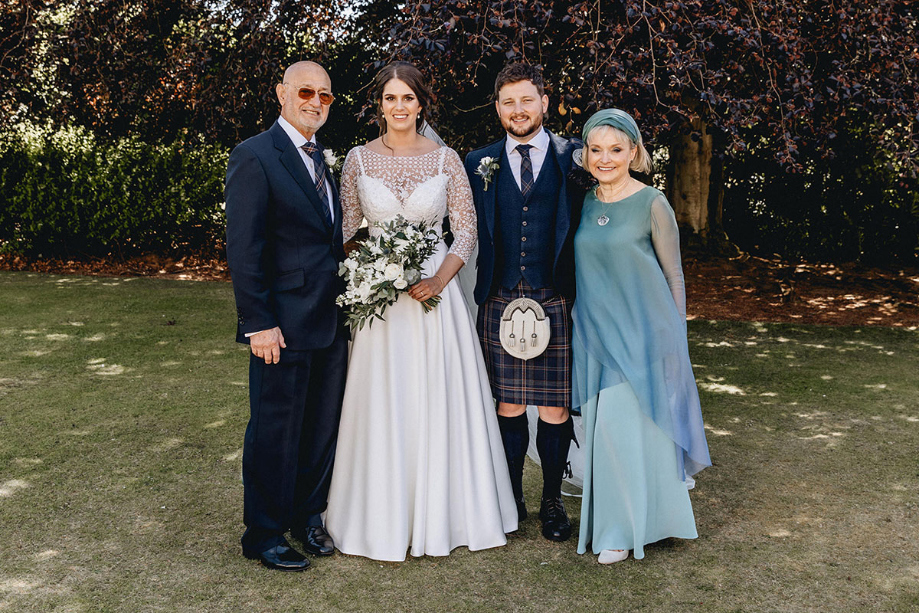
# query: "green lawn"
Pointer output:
{"type": "Point", "coordinates": [122, 409]}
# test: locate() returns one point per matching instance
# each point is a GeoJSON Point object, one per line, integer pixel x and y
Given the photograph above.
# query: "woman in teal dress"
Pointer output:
{"type": "Point", "coordinates": [633, 380]}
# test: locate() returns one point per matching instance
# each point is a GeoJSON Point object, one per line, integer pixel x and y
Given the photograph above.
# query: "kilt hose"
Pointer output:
{"type": "Point", "coordinates": [542, 381]}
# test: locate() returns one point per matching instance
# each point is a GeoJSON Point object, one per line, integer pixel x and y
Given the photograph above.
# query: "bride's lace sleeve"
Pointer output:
{"type": "Point", "coordinates": [351, 215]}
{"type": "Point", "coordinates": [665, 237]}
{"type": "Point", "coordinates": [460, 207]}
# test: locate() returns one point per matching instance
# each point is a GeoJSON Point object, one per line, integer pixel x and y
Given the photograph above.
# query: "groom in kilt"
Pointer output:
{"type": "Point", "coordinates": [527, 216]}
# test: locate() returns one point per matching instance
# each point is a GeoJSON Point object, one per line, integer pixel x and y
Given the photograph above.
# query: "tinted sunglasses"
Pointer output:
{"type": "Point", "coordinates": [307, 93]}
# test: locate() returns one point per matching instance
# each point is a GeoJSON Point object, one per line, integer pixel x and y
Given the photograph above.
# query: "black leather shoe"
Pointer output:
{"type": "Point", "coordinates": [282, 557]}
{"type": "Point", "coordinates": [521, 509]}
{"type": "Point", "coordinates": [316, 540]}
{"type": "Point", "coordinates": [555, 523]}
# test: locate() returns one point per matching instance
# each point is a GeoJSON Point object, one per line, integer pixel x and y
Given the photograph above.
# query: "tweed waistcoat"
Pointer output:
{"type": "Point", "coordinates": [525, 227]}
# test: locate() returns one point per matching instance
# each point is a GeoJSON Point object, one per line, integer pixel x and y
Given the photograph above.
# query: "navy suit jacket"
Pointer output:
{"type": "Point", "coordinates": [570, 201]}
{"type": "Point", "coordinates": [283, 254]}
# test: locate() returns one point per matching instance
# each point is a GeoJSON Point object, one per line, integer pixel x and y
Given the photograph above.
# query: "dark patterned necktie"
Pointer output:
{"type": "Point", "coordinates": [319, 167]}
{"type": "Point", "coordinates": [526, 168]}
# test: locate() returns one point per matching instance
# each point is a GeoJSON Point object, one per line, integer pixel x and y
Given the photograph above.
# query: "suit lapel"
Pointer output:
{"type": "Point", "coordinates": [336, 198]}
{"type": "Point", "coordinates": [336, 208]}
{"type": "Point", "coordinates": [496, 151]}
{"type": "Point", "coordinates": [291, 160]}
{"type": "Point", "coordinates": [558, 149]}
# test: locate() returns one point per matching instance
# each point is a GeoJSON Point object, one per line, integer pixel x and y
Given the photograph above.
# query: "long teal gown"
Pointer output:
{"type": "Point", "coordinates": [633, 380]}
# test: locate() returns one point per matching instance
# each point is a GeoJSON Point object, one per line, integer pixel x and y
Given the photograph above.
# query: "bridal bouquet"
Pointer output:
{"type": "Point", "coordinates": [382, 266]}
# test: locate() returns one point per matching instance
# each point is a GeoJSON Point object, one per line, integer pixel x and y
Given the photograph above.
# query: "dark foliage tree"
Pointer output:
{"type": "Point", "coordinates": [704, 78]}
{"type": "Point", "coordinates": [20, 34]}
{"type": "Point", "coordinates": [855, 205]}
{"type": "Point", "coordinates": [170, 65]}
{"type": "Point", "coordinates": [729, 92]}
{"type": "Point", "coordinates": [166, 69]}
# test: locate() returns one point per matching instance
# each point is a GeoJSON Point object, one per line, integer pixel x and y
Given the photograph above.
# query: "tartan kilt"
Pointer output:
{"type": "Point", "coordinates": [542, 381]}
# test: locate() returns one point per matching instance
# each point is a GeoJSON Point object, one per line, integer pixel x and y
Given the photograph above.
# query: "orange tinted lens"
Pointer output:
{"type": "Point", "coordinates": [324, 97]}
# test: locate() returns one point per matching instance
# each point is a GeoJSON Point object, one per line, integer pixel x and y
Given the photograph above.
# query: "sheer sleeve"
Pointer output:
{"type": "Point", "coordinates": [460, 207]}
{"type": "Point", "coordinates": [665, 237]}
{"type": "Point", "coordinates": [351, 215]}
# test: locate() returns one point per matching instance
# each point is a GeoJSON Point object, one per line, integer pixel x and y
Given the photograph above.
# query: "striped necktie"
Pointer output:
{"type": "Point", "coordinates": [526, 168]}
{"type": "Point", "coordinates": [319, 167]}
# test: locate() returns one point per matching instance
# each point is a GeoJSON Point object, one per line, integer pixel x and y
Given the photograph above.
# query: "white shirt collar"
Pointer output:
{"type": "Point", "coordinates": [296, 138]}
{"type": "Point", "coordinates": [540, 142]}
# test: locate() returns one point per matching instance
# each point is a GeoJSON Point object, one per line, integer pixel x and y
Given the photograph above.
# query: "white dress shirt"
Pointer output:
{"type": "Point", "coordinates": [299, 140]}
{"type": "Point", "coordinates": [540, 147]}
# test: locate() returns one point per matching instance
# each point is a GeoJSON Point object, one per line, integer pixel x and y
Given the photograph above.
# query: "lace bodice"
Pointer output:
{"type": "Point", "coordinates": [421, 188]}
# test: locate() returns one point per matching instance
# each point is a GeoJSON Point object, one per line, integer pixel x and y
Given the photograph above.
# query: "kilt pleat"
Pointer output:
{"type": "Point", "coordinates": [541, 381]}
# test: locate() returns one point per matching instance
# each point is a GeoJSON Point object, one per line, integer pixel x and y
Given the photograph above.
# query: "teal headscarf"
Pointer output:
{"type": "Point", "coordinates": [615, 118]}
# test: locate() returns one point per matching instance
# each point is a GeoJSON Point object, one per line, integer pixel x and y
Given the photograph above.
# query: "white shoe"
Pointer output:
{"type": "Point", "coordinates": [611, 556]}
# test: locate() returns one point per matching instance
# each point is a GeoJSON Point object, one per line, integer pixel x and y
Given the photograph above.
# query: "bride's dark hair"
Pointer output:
{"type": "Point", "coordinates": [412, 77]}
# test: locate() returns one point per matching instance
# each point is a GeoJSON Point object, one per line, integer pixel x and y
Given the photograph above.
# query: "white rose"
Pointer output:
{"type": "Point", "coordinates": [412, 276]}
{"type": "Point", "coordinates": [363, 291]}
{"type": "Point", "coordinates": [400, 283]}
{"type": "Point", "coordinates": [392, 271]}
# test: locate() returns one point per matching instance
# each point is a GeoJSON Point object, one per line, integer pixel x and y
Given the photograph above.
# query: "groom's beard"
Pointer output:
{"type": "Point", "coordinates": [524, 131]}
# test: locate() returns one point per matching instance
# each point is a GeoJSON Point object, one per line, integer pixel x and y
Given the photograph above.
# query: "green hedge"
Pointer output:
{"type": "Point", "coordinates": [68, 194]}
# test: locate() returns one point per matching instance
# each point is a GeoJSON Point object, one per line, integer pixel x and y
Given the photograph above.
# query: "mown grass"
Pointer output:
{"type": "Point", "coordinates": [122, 409]}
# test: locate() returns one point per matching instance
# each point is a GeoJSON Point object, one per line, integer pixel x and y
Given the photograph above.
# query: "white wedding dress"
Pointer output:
{"type": "Point", "coordinates": [420, 464]}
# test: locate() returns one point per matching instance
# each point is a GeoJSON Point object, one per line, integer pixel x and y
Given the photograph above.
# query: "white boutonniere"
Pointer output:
{"type": "Point", "coordinates": [487, 167]}
{"type": "Point", "coordinates": [577, 156]}
{"type": "Point", "coordinates": [331, 160]}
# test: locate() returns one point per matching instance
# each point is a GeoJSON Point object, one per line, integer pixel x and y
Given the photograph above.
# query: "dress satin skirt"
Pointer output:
{"type": "Point", "coordinates": [420, 467]}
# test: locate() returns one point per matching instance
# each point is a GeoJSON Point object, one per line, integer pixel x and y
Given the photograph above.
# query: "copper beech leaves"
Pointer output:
{"type": "Point", "coordinates": [785, 72]}
{"type": "Point", "coordinates": [788, 72]}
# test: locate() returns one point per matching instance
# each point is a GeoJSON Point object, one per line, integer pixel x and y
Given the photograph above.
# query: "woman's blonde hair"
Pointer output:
{"type": "Point", "coordinates": [642, 160]}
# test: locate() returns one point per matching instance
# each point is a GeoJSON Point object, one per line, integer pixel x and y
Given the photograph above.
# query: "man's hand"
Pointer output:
{"type": "Point", "coordinates": [267, 345]}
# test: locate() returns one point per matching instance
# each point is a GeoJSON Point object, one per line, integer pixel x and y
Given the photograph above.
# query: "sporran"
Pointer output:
{"type": "Point", "coordinates": [525, 329]}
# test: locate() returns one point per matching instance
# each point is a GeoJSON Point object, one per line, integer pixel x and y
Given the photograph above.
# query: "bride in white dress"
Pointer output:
{"type": "Point", "coordinates": [420, 464]}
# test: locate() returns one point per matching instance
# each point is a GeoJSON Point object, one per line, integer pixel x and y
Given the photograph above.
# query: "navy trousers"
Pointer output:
{"type": "Point", "coordinates": [289, 449]}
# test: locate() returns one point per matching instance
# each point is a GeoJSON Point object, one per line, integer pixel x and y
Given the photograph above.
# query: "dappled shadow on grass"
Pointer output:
{"type": "Point", "coordinates": [10, 487]}
{"type": "Point", "coordinates": [166, 445]}
{"type": "Point", "coordinates": [764, 289]}
{"type": "Point", "coordinates": [10, 384]}
{"type": "Point", "coordinates": [805, 426]}
{"type": "Point", "coordinates": [136, 484]}
{"type": "Point", "coordinates": [17, 587]}
{"type": "Point", "coordinates": [98, 366]}
{"type": "Point", "coordinates": [716, 385]}
{"type": "Point", "coordinates": [80, 281]}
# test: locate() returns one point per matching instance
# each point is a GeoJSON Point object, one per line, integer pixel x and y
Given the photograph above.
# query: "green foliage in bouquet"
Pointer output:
{"type": "Point", "coordinates": [382, 266]}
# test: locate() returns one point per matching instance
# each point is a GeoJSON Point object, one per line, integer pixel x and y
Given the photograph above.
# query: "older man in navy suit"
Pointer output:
{"type": "Point", "coordinates": [527, 215]}
{"type": "Point", "coordinates": [284, 246]}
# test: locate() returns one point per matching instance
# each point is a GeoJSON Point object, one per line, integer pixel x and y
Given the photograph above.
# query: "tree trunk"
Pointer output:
{"type": "Point", "coordinates": [688, 177]}
{"type": "Point", "coordinates": [716, 196]}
